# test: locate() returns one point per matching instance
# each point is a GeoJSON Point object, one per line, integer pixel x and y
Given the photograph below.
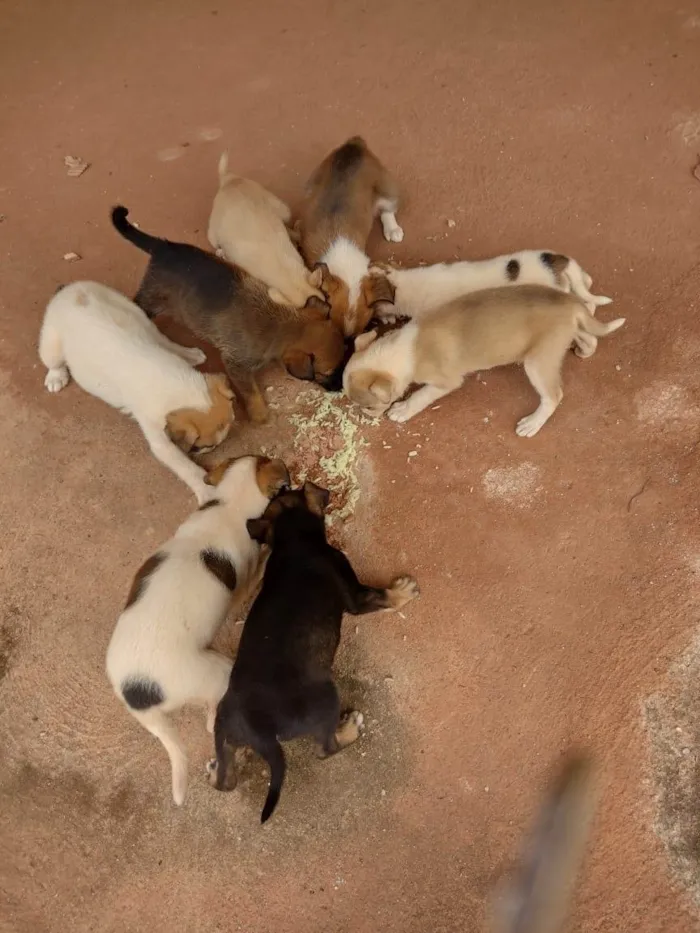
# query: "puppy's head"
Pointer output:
{"type": "Point", "coordinates": [265, 476]}
{"type": "Point", "coordinates": [309, 499]}
{"type": "Point", "coordinates": [336, 291]}
{"type": "Point", "coordinates": [365, 383]}
{"type": "Point", "coordinates": [352, 311]}
{"type": "Point", "coordinates": [317, 354]}
{"type": "Point", "coordinates": [198, 431]}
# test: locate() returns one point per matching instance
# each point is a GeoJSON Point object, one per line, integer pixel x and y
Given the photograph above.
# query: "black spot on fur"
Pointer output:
{"type": "Point", "coordinates": [142, 694]}
{"type": "Point", "coordinates": [512, 270]}
{"type": "Point", "coordinates": [221, 566]}
{"type": "Point", "coordinates": [210, 504]}
{"type": "Point", "coordinates": [143, 575]}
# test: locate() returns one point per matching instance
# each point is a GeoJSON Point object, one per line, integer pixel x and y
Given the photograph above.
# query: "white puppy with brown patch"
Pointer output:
{"type": "Point", "coordinates": [113, 351]}
{"type": "Point", "coordinates": [248, 227]}
{"type": "Point", "coordinates": [529, 324]}
{"type": "Point", "coordinates": [422, 290]}
{"type": "Point", "coordinates": [344, 195]}
{"type": "Point", "coordinates": [159, 657]}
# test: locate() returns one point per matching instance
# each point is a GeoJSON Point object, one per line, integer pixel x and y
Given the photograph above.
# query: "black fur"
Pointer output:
{"type": "Point", "coordinates": [142, 694]}
{"type": "Point", "coordinates": [281, 684]}
{"type": "Point", "coordinates": [210, 504]}
{"type": "Point", "coordinates": [512, 270]}
{"type": "Point", "coordinates": [221, 566]}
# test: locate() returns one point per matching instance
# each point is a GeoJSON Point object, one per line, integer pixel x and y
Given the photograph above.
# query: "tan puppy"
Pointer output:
{"type": "Point", "coordinates": [248, 227]}
{"type": "Point", "coordinates": [344, 195]}
{"type": "Point", "coordinates": [529, 324]}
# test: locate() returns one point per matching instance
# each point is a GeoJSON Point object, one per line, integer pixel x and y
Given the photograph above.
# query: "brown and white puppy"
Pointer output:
{"type": "Point", "coordinates": [248, 226]}
{"type": "Point", "coordinates": [159, 658]}
{"type": "Point", "coordinates": [111, 349]}
{"type": "Point", "coordinates": [232, 310]}
{"type": "Point", "coordinates": [529, 324]}
{"type": "Point", "coordinates": [343, 197]}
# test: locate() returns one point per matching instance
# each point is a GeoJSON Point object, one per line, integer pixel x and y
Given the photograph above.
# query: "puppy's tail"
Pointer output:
{"type": "Point", "coordinates": [536, 898]}
{"type": "Point", "coordinates": [274, 755]}
{"type": "Point", "coordinates": [580, 282]}
{"type": "Point", "coordinates": [223, 166]}
{"type": "Point", "coordinates": [131, 233]}
{"type": "Point", "coordinates": [590, 325]}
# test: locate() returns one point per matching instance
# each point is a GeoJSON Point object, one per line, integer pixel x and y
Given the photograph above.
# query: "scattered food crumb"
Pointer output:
{"type": "Point", "coordinates": [451, 224]}
{"type": "Point", "coordinates": [357, 629]}
{"type": "Point", "coordinates": [413, 453]}
{"type": "Point", "coordinates": [618, 367]}
{"type": "Point", "coordinates": [75, 166]}
{"type": "Point", "coordinates": [71, 257]}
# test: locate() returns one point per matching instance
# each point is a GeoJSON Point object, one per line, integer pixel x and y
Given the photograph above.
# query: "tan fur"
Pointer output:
{"type": "Point", "coordinates": [322, 220]}
{"type": "Point", "coordinates": [529, 324]}
{"type": "Point", "coordinates": [271, 476]}
{"type": "Point", "coordinates": [249, 225]}
{"type": "Point", "coordinates": [187, 427]}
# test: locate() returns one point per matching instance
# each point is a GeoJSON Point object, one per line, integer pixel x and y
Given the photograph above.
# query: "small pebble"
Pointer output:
{"type": "Point", "coordinates": [413, 453]}
{"type": "Point", "coordinates": [618, 367]}
{"type": "Point", "coordinates": [71, 257]}
{"type": "Point", "coordinates": [451, 224]}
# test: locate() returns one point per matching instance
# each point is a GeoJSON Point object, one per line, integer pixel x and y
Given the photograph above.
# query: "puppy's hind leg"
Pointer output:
{"type": "Point", "coordinates": [208, 677]}
{"type": "Point", "coordinates": [543, 370]}
{"type": "Point", "coordinates": [332, 731]}
{"type": "Point", "coordinates": [160, 726]}
{"type": "Point", "coordinates": [386, 206]}
{"type": "Point", "coordinates": [51, 355]}
{"type": "Point", "coordinates": [192, 355]}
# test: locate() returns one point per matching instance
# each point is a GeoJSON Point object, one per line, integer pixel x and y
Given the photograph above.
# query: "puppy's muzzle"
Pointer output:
{"type": "Point", "coordinates": [334, 381]}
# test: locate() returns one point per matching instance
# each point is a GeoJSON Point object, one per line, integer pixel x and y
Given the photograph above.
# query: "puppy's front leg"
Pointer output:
{"type": "Point", "coordinates": [419, 401]}
{"type": "Point", "coordinates": [192, 355]}
{"type": "Point", "coordinates": [179, 463]}
{"type": "Point", "coordinates": [246, 385]}
{"type": "Point", "coordinates": [361, 599]}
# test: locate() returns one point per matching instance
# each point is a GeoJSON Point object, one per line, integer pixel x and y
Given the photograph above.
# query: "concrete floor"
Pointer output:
{"type": "Point", "coordinates": [559, 576]}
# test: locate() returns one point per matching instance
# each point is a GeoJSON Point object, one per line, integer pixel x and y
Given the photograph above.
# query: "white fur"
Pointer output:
{"type": "Point", "coordinates": [164, 637]}
{"type": "Point", "coordinates": [422, 290]}
{"type": "Point", "coordinates": [113, 351]}
{"type": "Point", "coordinates": [349, 263]}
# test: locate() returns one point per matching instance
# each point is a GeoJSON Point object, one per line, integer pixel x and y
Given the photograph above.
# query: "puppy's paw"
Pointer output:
{"type": "Point", "coordinates": [402, 591]}
{"type": "Point", "coordinates": [210, 769]}
{"type": "Point", "coordinates": [351, 728]}
{"type": "Point", "coordinates": [393, 234]}
{"type": "Point", "coordinates": [57, 379]}
{"type": "Point", "coordinates": [400, 412]}
{"type": "Point", "coordinates": [529, 426]}
{"type": "Point", "coordinates": [195, 356]}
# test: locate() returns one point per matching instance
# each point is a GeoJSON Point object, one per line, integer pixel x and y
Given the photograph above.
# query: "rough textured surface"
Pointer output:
{"type": "Point", "coordinates": [559, 576]}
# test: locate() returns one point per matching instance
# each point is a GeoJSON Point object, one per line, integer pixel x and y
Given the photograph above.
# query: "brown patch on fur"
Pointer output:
{"type": "Point", "coordinates": [143, 574]}
{"type": "Point", "coordinates": [221, 566]}
{"type": "Point", "coordinates": [82, 299]}
{"type": "Point", "coordinates": [557, 262]}
{"type": "Point", "coordinates": [316, 353]}
{"type": "Point", "coordinates": [216, 474]}
{"type": "Point", "coordinates": [342, 197]}
{"type": "Point", "coordinates": [337, 293]}
{"type": "Point", "coordinates": [271, 476]}
{"type": "Point", "coordinates": [190, 427]}
{"type": "Point", "coordinates": [376, 290]}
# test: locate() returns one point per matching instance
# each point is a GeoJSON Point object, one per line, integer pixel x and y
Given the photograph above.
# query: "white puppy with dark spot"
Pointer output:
{"type": "Point", "coordinates": [159, 657]}
{"type": "Point", "coordinates": [528, 324]}
{"type": "Point", "coordinates": [113, 351]}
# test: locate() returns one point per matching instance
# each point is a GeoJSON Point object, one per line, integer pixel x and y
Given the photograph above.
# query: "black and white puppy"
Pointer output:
{"type": "Point", "coordinates": [281, 685]}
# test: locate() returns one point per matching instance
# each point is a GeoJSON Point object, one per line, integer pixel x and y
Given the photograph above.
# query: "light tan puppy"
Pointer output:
{"type": "Point", "coordinates": [248, 227]}
{"type": "Point", "coordinates": [344, 195]}
{"type": "Point", "coordinates": [529, 324]}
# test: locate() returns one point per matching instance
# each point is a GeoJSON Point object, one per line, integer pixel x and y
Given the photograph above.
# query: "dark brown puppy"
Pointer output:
{"type": "Point", "coordinates": [222, 304]}
{"type": "Point", "coordinates": [281, 684]}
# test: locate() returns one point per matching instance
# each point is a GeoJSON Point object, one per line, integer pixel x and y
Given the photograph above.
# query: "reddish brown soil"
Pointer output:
{"type": "Point", "coordinates": [559, 575]}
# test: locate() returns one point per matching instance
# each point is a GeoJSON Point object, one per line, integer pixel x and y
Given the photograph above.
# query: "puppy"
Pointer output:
{"type": "Point", "coordinates": [248, 225]}
{"type": "Point", "coordinates": [528, 324]}
{"type": "Point", "coordinates": [114, 352]}
{"type": "Point", "coordinates": [422, 290]}
{"type": "Point", "coordinates": [159, 657]}
{"type": "Point", "coordinates": [233, 311]}
{"type": "Point", "coordinates": [281, 685]}
{"type": "Point", "coordinates": [343, 196]}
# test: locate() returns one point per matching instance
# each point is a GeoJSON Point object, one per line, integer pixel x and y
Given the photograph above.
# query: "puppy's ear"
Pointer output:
{"type": "Point", "coordinates": [362, 341]}
{"type": "Point", "coordinates": [299, 364]}
{"type": "Point", "coordinates": [377, 290]}
{"type": "Point", "coordinates": [259, 529]}
{"type": "Point", "coordinates": [272, 476]}
{"type": "Point", "coordinates": [181, 429]}
{"type": "Point", "coordinates": [315, 277]}
{"type": "Point", "coordinates": [316, 498]}
{"type": "Point", "coordinates": [316, 304]}
{"type": "Point", "coordinates": [320, 269]}
{"type": "Point", "coordinates": [382, 388]}
{"type": "Point", "coordinates": [218, 382]}
{"type": "Point", "coordinates": [366, 386]}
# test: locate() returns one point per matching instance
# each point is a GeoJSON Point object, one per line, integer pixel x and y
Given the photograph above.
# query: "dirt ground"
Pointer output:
{"type": "Point", "coordinates": [560, 575]}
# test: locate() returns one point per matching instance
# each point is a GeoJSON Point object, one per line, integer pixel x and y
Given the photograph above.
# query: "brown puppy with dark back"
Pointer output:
{"type": "Point", "coordinates": [343, 197]}
{"type": "Point", "coordinates": [281, 684]}
{"type": "Point", "coordinates": [222, 304]}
